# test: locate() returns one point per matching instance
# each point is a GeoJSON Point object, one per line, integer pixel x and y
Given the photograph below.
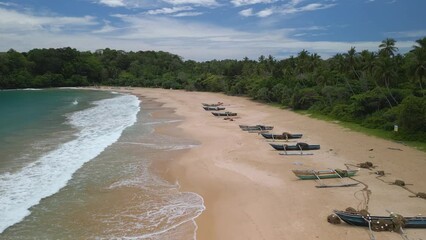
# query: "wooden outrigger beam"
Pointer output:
{"type": "Point", "coordinates": [322, 185]}
{"type": "Point", "coordinates": [301, 153]}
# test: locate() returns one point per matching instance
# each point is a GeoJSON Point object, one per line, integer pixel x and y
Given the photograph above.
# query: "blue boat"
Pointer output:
{"type": "Point", "coordinates": [359, 220]}
{"type": "Point", "coordinates": [283, 136]}
{"type": "Point", "coordinates": [298, 146]}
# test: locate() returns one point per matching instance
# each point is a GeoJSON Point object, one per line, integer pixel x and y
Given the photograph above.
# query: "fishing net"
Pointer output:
{"type": "Point", "coordinates": [366, 165]}
{"type": "Point", "coordinates": [351, 210]}
{"type": "Point", "coordinates": [342, 173]}
{"type": "Point", "coordinates": [302, 145]}
{"type": "Point", "coordinates": [398, 222]}
{"type": "Point", "coordinates": [333, 219]}
{"type": "Point", "coordinates": [421, 195]}
{"type": "Point", "coordinates": [382, 225]}
{"type": "Point", "coordinates": [399, 183]}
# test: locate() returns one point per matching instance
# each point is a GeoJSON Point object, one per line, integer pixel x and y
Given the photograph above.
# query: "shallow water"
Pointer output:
{"type": "Point", "coordinates": [111, 192]}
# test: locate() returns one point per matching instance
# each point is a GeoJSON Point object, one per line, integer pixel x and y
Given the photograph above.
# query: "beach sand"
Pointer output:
{"type": "Point", "coordinates": [248, 188]}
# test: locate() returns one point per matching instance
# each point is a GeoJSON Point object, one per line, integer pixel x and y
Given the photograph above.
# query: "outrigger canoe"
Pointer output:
{"type": "Point", "coordinates": [298, 146]}
{"type": "Point", "coordinates": [209, 108]}
{"type": "Point", "coordinates": [256, 127]}
{"type": "Point", "coordinates": [283, 136]}
{"type": "Point", "coordinates": [360, 220]}
{"type": "Point", "coordinates": [213, 104]}
{"type": "Point", "coordinates": [224, 114]}
{"type": "Point", "coordinates": [323, 174]}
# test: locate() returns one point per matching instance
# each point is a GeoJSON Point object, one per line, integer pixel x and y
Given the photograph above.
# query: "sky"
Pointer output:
{"type": "Point", "coordinates": [204, 30]}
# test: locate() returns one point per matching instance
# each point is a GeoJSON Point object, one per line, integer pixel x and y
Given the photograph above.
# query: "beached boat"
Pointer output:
{"type": "Point", "coordinates": [256, 127]}
{"type": "Point", "coordinates": [224, 114]}
{"type": "Point", "coordinates": [283, 136]}
{"type": "Point", "coordinates": [323, 174]}
{"type": "Point", "coordinates": [212, 104]}
{"type": "Point", "coordinates": [360, 220]}
{"type": "Point", "coordinates": [209, 108]}
{"type": "Point", "coordinates": [298, 146]}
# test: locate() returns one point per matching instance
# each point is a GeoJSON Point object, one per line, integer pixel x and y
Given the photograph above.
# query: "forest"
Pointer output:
{"type": "Point", "coordinates": [375, 89]}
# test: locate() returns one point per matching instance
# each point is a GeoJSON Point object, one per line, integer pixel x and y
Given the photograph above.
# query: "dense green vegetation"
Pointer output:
{"type": "Point", "coordinates": [373, 89]}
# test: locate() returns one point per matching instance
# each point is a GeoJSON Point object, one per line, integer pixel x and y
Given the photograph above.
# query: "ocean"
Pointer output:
{"type": "Point", "coordinates": [77, 164]}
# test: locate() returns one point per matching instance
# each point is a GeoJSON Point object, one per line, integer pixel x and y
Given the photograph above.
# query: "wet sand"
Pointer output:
{"type": "Point", "coordinates": [249, 189]}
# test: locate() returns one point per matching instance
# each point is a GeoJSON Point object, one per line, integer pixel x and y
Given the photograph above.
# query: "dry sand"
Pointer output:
{"type": "Point", "coordinates": [249, 189]}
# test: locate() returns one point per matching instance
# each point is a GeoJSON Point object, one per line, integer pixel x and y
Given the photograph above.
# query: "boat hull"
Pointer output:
{"type": "Point", "coordinates": [214, 108]}
{"type": "Point", "coordinates": [256, 127]}
{"type": "Point", "coordinates": [358, 220]}
{"type": "Point", "coordinates": [309, 175]}
{"type": "Point", "coordinates": [224, 114]}
{"type": "Point", "coordinates": [282, 147]}
{"type": "Point", "coordinates": [282, 136]}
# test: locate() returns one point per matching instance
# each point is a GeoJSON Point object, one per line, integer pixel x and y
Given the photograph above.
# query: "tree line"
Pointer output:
{"type": "Point", "coordinates": [376, 89]}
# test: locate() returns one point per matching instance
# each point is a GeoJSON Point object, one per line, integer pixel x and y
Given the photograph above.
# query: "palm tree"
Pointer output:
{"type": "Point", "coordinates": [419, 57]}
{"type": "Point", "coordinates": [367, 59]}
{"type": "Point", "coordinates": [352, 59]}
{"type": "Point", "coordinates": [387, 47]}
{"type": "Point", "coordinates": [385, 70]}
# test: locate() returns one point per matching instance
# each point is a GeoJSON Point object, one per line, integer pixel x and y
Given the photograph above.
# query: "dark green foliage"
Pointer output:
{"type": "Point", "coordinates": [384, 119]}
{"type": "Point", "coordinates": [375, 89]}
{"type": "Point", "coordinates": [412, 117]}
{"type": "Point", "coordinates": [304, 98]}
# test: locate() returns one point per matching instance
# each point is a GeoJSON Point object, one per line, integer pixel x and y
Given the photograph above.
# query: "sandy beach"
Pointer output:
{"type": "Point", "coordinates": [248, 188]}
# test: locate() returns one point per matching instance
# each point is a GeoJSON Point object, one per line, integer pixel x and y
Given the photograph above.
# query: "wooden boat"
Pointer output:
{"type": "Point", "coordinates": [359, 220]}
{"type": "Point", "coordinates": [283, 136]}
{"type": "Point", "coordinates": [209, 108]}
{"type": "Point", "coordinates": [323, 174]}
{"type": "Point", "coordinates": [212, 104]}
{"type": "Point", "coordinates": [256, 127]}
{"type": "Point", "coordinates": [224, 114]}
{"type": "Point", "coordinates": [298, 146]}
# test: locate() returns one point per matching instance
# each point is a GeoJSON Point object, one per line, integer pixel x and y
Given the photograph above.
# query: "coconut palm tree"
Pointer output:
{"type": "Point", "coordinates": [351, 60]}
{"type": "Point", "coordinates": [367, 59]}
{"type": "Point", "coordinates": [387, 47]}
{"type": "Point", "coordinates": [419, 58]}
{"type": "Point", "coordinates": [385, 70]}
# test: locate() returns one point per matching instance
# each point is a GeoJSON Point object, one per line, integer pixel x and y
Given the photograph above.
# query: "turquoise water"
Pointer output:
{"type": "Point", "coordinates": [32, 121]}
{"type": "Point", "coordinates": [75, 164]}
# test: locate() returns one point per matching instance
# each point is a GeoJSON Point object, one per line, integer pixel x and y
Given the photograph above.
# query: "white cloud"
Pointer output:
{"type": "Point", "coordinates": [408, 34]}
{"type": "Point", "coordinates": [265, 12]}
{"type": "Point", "coordinates": [13, 21]}
{"type": "Point", "coordinates": [113, 3]}
{"type": "Point", "coordinates": [156, 3]}
{"type": "Point", "coordinates": [293, 8]}
{"type": "Point", "coordinates": [193, 2]}
{"type": "Point", "coordinates": [250, 2]}
{"type": "Point", "coordinates": [7, 4]}
{"type": "Point", "coordinates": [187, 14]}
{"type": "Point", "coordinates": [169, 10]}
{"type": "Point", "coordinates": [191, 40]}
{"type": "Point", "coordinates": [246, 12]}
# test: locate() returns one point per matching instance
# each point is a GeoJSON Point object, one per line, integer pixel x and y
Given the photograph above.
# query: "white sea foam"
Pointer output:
{"type": "Point", "coordinates": [99, 127]}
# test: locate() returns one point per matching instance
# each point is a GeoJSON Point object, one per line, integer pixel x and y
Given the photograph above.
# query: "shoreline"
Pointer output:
{"type": "Point", "coordinates": [248, 189]}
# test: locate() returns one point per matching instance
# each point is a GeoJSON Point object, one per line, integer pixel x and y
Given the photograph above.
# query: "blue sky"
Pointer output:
{"type": "Point", "coordinates": [212, 29]}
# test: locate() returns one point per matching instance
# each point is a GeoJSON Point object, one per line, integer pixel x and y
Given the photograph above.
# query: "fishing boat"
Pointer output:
{"type": "Point", "coordinates": [323, 174]}
{"type": "Point", "coordinates": [256, 127]}
{"type": "Point", "coordinates": [298, 146]}
{"type": "Point", "coordinates": [283, 136]}
{"type": "Point", "coordinates": [360, 220]}
{"type": "Point", "coordinates": [212, 104]}
{"type": "Point", "coordinates": [210, 108]}
{"type": "Point", "coordinates": [224, 114]}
